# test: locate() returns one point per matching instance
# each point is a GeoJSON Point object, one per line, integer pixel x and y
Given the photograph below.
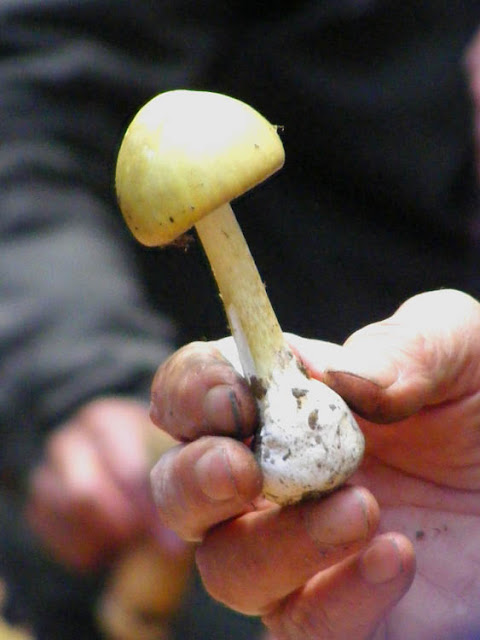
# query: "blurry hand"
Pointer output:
{"type": "Point", "coordinates": [90, 496]}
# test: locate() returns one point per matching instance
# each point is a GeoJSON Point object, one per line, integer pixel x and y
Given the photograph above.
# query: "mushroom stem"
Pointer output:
{"type": "Point", "coordinates": [308, 442]}
{"type": "Point", "coordinates": [252, 320]}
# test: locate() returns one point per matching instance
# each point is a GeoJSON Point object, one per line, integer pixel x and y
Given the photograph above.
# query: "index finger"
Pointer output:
{"type": "Point", "coordinates": [198, 392]}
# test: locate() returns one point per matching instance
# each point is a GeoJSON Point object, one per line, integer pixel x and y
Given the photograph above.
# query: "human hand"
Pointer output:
{"type": "Point", "coordinates": [90, 498]}
{"type": "Point", "coordinates": [318, 569]}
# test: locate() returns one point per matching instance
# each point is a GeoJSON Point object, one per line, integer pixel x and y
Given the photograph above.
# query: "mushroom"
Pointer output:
{"type": "Point", "coordinates": [184, 157]}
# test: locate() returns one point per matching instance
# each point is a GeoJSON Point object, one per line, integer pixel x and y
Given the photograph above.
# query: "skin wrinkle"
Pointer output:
{"type": "Point", "coordinates": [299, 619]}
{"type": "Point", "coordinates": [465, 443]}
{"type": "Point", "coordinates": [438, 587]}
{"type": "Point", "coordinates": [416, 348]}
{"type": "Point", "coordinates": [469, 585]}
{"type": "Point", "coordinates": [309, 554]}
{"type": "Point", "coordinates": [295, 617]}
{"type": "Point", "coordinates": [452, 501]}
{"type": "Point", "coordinates": [417, 477]}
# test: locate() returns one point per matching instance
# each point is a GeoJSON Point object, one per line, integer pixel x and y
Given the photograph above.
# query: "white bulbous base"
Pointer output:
{"type": "Point", "coordinates": [309, 442]}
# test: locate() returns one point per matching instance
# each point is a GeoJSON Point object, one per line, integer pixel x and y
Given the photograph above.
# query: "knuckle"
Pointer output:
{"type": "Point", "coordinates": [298, 618]}
{"type": "Point", "coordinates": [220, 585]}
{"type": "Point", "coordinates": [180, 387]}
{"type": "Point", "coordinates": [229, 588]}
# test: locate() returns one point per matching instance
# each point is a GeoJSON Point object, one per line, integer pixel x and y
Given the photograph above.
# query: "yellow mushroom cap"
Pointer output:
{"type": "Point", "coordinates": [185, 154]}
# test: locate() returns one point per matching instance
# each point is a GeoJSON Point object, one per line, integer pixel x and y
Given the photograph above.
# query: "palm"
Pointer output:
{"type": "Point", "coordinates": [443, 600]}
{"type": "Point", "coordinates": [426, 481]}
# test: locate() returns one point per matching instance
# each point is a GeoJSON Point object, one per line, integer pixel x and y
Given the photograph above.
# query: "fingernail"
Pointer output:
{"type": "Point", "coordinates": [341, 519]}
{"type": "Point", "coordinates": [222, 411]}
{"type": "Point", "coordinates": [214, 475]}
{"type": "Point", "coordinates": [381, 562]}
{"type": "Point", "coordinates": [362, 380]}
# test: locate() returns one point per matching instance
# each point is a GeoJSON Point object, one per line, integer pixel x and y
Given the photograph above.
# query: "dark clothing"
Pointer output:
{"type": "Point", "coordinates": [374, 204]}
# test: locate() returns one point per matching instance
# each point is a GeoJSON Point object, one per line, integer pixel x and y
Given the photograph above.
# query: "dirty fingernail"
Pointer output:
{"type": "Point", "coordinates": [222, 411]}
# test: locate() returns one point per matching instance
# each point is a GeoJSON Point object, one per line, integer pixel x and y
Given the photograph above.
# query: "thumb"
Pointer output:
{"type": "Point", "coordinates": [426, 353]}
